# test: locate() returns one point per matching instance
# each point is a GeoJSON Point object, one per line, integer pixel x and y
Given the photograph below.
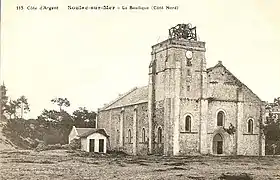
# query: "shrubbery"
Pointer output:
{"type": "Point", "coordinates": [75, 144]}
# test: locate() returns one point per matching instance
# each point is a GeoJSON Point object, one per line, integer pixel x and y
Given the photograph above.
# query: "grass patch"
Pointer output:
{"type": "Point", "coordinates": [89, 162]}
{"type": "Point", "coordinates": [120, 164]}
{"type": "Point", "coordinates": [137, 161]}
{"type": "Point", "coordinates": [22, 161]}
{"type": "Point", "coordinates": [174, 164]}
{"type": "Point", "coordinates": [259, 168]}
{"type": "Point", "coordinates": [45, 162]}
{"type": "Point", "coordinates": [229, 176]}
{"type": "Point", "coordinates": [143, 164]}
{"type": "Point", "coordinates": [32, 161]}
{"type": "Point", "coordinates": [160, 170]}
{"type": "Point", "coordinates": [196, 177]}
{"type": "Point", "coordinates": [117, 154]}
{"type": "Point", "coordinates": [203, 163]}
{"type": "Point", "coordinates": [170, 169]}
{"type": "Point", "coordinates": [15, 152]}
{"type": "Point", "coordinates": [176, 168]}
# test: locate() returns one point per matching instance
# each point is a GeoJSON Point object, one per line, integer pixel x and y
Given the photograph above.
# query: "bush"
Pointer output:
{"type": "Point", "coordinates": [242, 176]}
{"type": "Point", "coordinates": [117, 153]}
{"type": "Point", "coordinates": [43, 147]}
{"type": "Point", "coordinates": [269, 150]}
{"type": "Point", "coordinates": [75, 144]}
{"type": "Point", "coordinates": [53, 138]}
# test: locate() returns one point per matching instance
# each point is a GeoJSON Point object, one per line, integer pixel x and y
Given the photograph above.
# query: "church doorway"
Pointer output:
{"type": "Point", "coordinates": [218, 144]}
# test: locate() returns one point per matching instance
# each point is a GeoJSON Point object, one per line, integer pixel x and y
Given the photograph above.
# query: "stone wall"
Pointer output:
{"type": "Point", "coordinates": [189, 141]}
{"type": "Point", "coordinates": [128, 125]}
{"type": "Point", "coordinates": [110, 121]}
{"type": "Point", "coordinates": [114, 128]}
{"type": "Point", "coordinates": [142, 115]}
{"type": "Point", "coordinates": [221, 75]}
{"type": "Point", "coordinates": [159, 86]}
{"type": "Point", "coordinates": [193, 80]}
{"type": "Point", "coordinates": [250, 141]}
{"type": "Point", "coordinates": [230, 110]}
{"type": "Point", "coordinates": [103, 120]}
{"type": "Point", "coordinates": [158, 123]}
{"type": "Point", "coordinates": [252, 109]}
{"type": "Point", "coordinates": [219, 91]}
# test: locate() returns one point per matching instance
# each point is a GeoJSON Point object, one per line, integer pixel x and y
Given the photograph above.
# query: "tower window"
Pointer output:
{"type": "Point", "coordinates": [220, 118]}
{"type": "Point", "coordinates": [143, 135]}
{"type": "Point", "coordinates": [250, 126]}
{"type": "Point", "coordinates": [188, 123]}
{"type": "Point", "coordinates": [159, 135]}
{"type": "Point", "coordinates": [188, 72]}
{"type": "Point", "coordinates": [188, 87]}
{"type": "Point", "coordinates": [189, 63]}
{"type": "Point", "coordinates": [129, 136]}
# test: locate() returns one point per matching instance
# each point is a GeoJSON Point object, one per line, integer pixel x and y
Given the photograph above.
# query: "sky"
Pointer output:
{"type": "Point", "coordinates": [91, 57]}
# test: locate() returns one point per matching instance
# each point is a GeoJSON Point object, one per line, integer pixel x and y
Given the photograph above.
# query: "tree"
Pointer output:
{"type": "Point", "coordinates": [11, 108]}
{"type": "Point", "coordinates": [84, 118]}
{"type": "Point", "coordinates": [272, 128]}
{"type": "Point", "coordinates": [51, 115]}
{"type": "Point", "coordinates": [66, 125]}
{"type": "Point", "coordinates": [61, 102]}
{"type": "Point", "coordinates": [3, 99]}
{"type": "Point", "coordinates": [24, 105]}
{"type": "Point", "coordinates": [58, 124]}
{"type": "Point", "coordinates": [272, 134]}
{"type": "Point", "coordinates": [277, 101]}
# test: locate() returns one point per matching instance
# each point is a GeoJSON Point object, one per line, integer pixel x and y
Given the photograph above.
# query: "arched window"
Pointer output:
{"type": "Point", "coordinates": [143, 135]}
{"type": "Point", "coordinates": [188, 72]}
{"type": "Point", "coordinates": [159, 135]}
{"type": "Point", "coordinates": [129, 136]}
{"type": "Point", "coordinates": [220, 118]}
{"type": "Point", "coordinates": [188, 123]}
{"type": "Point", "coordinates": [250, 126]}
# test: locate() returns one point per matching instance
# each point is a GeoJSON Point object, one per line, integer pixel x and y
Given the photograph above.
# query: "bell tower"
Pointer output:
{"type": "Point", "coordinates": [177, 71]}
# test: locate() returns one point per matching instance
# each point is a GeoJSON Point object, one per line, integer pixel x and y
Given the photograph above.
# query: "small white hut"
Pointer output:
{"type": "Point", "coordinates": [92, 139]}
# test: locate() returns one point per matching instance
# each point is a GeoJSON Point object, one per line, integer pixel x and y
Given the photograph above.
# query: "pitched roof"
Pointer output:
{"type": "Point", "coordinates": [83, 130]}
{"type": "Point", "coordinates": [134, 96]}
{"type": "Point", "coordinates": [93, 130]}
{"type": "Point", "coordinates": [238, 82]}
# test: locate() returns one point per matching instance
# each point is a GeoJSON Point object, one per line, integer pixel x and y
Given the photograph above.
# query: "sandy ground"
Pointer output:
{"type": "Point", "coordinates": [62, 164]}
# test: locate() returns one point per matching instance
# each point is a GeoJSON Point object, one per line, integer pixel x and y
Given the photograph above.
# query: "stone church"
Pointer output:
{"type": "Point", "coordinates": [186, 109]}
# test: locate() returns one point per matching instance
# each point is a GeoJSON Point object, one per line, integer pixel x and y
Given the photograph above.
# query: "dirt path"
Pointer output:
{"type": "Point", "coordinates": [62, 164]}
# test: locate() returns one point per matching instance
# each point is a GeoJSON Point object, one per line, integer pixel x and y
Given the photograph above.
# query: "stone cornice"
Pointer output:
{"type": "Point", "coordinates": [178, 47]}
{"type": "Point", "coordinates": [132, 104]}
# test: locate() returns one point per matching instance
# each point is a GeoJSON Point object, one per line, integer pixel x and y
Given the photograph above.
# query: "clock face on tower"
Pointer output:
{"type": "Point", "coordinates": [188, 54]}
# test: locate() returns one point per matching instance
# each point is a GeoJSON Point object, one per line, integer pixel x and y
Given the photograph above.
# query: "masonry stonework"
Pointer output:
{"type": "Point", "coordinates": [186, 109]}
